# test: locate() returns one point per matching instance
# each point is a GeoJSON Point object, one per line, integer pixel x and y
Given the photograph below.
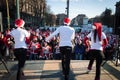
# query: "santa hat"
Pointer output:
{"type": "Point", "coordinates": [67, 21]}
{"type": "Point", "coordinates": [98, 27]}
{"type": "Point", "coordinates": [19, 23]}
{"type": "Point", "coordinates": [35, 37]}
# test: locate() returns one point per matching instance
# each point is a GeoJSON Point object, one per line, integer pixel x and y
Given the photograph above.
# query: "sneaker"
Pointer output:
{"type": "Point", "coordinates": [97, 78]}
{"type": "Point", "coordinates": [23, 74]}
{"type": "Point", "coordinates": [88, 71]}
{"type": "Point", "coordinates": [118, 61]}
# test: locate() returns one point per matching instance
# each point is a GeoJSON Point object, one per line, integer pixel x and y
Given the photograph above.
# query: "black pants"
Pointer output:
{"type": "Point", "coordinates": [65, 56]}
{"type": "Point", "coordinates": [20, 55]}
{"type": "Point", "coordinates": [98, 55]}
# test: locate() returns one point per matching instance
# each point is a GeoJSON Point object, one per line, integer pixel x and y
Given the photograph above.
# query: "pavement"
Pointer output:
{"type": "Point", "coordinates": [51, 70]}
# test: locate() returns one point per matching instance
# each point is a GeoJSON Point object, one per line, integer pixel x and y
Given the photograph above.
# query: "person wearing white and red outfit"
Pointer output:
{"type": "Point", "coordinates": [98, 41]}
{"type": "Point", "coordinates": [67, 34]}
{"type": "Point", "coordinates": [9, 42]}
{"type": "Point", "coordinates": [21, 37]}
{"type": "Point", "coordinates": [47, 51]}
{"type": "Point", "coordinates": [2, 45]}
{"type": "Point", "coordinates": [34, 48]}
{"type": "Point", "coordinates": [57, 52]}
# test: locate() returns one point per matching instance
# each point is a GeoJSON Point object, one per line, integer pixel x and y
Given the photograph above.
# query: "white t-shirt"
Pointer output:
{"type": "Point", "coordinates": [67, 34]}
{"type": "Point", "coordinates": [98, 44]}
{"type": "Point", "coordinates": [19, 36]}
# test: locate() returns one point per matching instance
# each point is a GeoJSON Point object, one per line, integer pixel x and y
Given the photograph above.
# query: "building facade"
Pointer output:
{"type": "Point", "coordinates": [117, 19]}
{"type": "Point", "coordinates": [32, 11]}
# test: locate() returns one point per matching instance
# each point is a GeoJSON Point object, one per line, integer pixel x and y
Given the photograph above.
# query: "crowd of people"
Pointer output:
{"type": "Point", "coordinates": [38, 48]}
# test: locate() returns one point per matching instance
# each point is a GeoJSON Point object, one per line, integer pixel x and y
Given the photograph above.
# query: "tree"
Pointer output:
{"type": "Point", "coordinates": [50, 18]}
{"type": "Point", "coordinates": [106, 17]}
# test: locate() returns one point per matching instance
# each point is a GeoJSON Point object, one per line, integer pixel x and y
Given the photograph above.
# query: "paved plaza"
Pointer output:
{"type": "Point", "coordinates": [51, 70]}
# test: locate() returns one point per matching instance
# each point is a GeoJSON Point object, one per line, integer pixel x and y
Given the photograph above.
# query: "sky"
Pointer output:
{"type": "Point", "coordinates": [90, 8]}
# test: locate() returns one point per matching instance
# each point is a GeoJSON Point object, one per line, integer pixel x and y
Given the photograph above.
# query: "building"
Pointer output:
{"type": "Point", "coordinates": [60, 18]}
{"type": "Point", "coordinates": [81, 19]}
{"type": "Point", "coordinates": [4, 11]}
{"type": "Point", "coordinates": [32, 11]}
{"type": "Point", "coordinates": [117, 19]}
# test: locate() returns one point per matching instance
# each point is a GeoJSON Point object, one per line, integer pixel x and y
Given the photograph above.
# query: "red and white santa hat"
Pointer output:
{"type": "Point", "coordinates": [66, 21]}
{"type": "Point", "coordinates": [98, 27]}
{"type": "Point", "coordinates": [34, 37]}
{"type": "Point", "coordinates": [19, 23]}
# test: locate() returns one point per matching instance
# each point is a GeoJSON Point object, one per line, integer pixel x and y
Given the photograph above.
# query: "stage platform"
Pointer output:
{"type": "Point", "coordinates": [51, 70]}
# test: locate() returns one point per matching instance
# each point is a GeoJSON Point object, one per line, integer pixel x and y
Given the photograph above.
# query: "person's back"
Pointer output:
{"type": "Point", "coordinates": [66, 34]}
{"type": "Point", "coordinates": [98, 42]}
{"type": "Point", "coordinates": [19, 35]}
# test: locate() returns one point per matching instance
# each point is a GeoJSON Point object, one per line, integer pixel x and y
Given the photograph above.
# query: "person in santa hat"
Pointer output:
{"type": "Point", "coordinates": [67, 34]}
{"type": "Point", "coordinates": [21, 37]}
{"type": "Point", "coordinates": [34, 48]}
{"type": "Point", "coordinates": [98, 41]}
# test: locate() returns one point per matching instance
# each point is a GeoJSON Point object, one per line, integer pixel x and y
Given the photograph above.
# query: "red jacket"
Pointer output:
{"type": "Point", "coordinates": [34, 47]}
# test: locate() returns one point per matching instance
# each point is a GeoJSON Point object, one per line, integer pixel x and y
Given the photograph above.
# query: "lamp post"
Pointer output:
{"type": "Point", "coordinates": [18, 11]}
{"type": "Point", "coordinates": [8, 16]}
{"type": "Point", "coordinates": [1, 26]}
{"type": "Point", "coordinates": [117, 19]}
{"type": "Point", "coordinates": [67, 8]}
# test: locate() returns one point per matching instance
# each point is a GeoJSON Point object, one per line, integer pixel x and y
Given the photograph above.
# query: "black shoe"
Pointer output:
{"type": "Point", "coordinates": [97, 78]}
{"type": "Point", "coordinates": [23, 74]}
{"type": "Point", "coordinates": [66, 77]}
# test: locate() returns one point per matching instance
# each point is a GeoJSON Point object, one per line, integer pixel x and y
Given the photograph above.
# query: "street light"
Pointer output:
{"type": "Point", "coordinates": [1, 27]}
{"type": "Point", "coordinates": [18, 11]}
{"type": "Point", "coordinates": [8, 16]}
{"type": "Point", "coordinates": [67, 8]}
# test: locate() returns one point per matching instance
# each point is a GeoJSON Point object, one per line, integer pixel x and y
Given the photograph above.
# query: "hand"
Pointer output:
{"type": "Point", "coordinates": [87, 49]}
{"type": "Point", "coordinates": [46, 40]}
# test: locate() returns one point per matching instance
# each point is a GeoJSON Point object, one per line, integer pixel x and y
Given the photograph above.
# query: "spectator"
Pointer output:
{"type": "Point", "coordinates": [57, 54]}
{"type": "Point", "coordinates": [79, 50]}
{"type": "Point", "coordinates": [2, 46]}
{"type": "Point", "coordinates": [47, 51]}
{"type": "Point", "coordinates": [34, 48]}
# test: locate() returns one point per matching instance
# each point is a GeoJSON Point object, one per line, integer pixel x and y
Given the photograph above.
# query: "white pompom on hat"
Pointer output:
{"type": "Point", "coordinates": [19, 23]}
{"type": "Point", "coordinates": [93, 27]}
{"type": "Point", "coordinates": [66, 21]}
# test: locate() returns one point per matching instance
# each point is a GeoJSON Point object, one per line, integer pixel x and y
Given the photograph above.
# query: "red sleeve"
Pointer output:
{"type": "Point", "coordinates": [38, 46]}
{"type": "Point", "coordinates": [30, 44]}
{"type": "Point", "coordinates": [5, 39]}
{"type": "Point", "coordinates": [105, 42]}
{"type": "Point", "coordinates": [27, 40]}
{"type": "Point", "coordinates": [85, 41]}
{"type": "Point", "coordinates": [50, 50]}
